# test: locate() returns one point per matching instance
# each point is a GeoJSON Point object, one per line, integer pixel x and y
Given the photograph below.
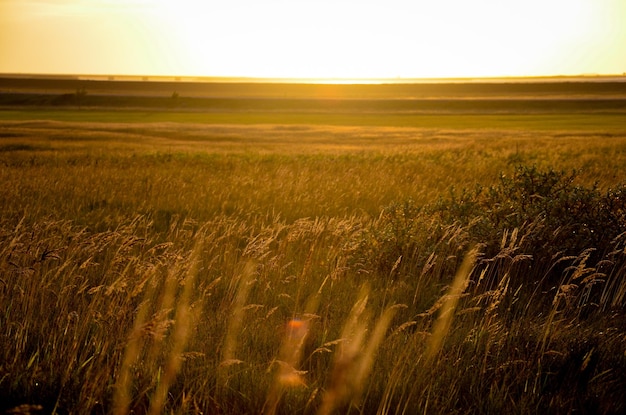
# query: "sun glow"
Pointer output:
{"type": "Point", "coordinates": [373, 40]}
{"type": "Point", "coordinates": [315, 39]}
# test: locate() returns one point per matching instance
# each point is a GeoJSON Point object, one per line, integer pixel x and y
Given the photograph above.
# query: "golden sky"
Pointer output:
{"type": "Point", "coordinates": [314, 38]}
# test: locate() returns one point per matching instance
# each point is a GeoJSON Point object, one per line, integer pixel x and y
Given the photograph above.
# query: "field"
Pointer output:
{"type": "Point", "coordinates": [256, 248]}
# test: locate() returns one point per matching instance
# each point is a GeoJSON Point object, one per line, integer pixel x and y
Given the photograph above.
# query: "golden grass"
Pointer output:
{"type": "Point", "coordinates": [238, 269]}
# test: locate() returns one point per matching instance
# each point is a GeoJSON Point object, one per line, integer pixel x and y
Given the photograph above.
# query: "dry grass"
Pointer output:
{"type": "Point", "coordinates": [231, 269]}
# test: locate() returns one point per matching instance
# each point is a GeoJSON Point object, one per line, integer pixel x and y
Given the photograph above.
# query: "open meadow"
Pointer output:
{"type": "Point", "coordinates": [312, 249]}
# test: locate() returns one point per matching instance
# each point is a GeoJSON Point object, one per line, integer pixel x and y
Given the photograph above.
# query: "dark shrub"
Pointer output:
{"type": "Point", "coordinates": [537, 227]}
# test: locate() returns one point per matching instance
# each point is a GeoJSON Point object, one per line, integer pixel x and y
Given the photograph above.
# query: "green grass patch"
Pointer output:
{"type": "Point", "coordinates": [570, 122]}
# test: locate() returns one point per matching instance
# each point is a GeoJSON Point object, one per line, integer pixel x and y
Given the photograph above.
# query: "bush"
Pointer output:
{"type": "Point", "coordinates": [537, 228]}
{"type": "Point", "coordinates": [565, 218]}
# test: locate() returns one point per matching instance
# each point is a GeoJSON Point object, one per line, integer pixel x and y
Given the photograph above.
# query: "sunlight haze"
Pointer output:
{"type": "Point", "coordinates": [314, 39]}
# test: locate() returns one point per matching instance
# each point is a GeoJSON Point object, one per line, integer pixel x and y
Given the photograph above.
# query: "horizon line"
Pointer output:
{"type": "Point", "coordinates": [308, 80]}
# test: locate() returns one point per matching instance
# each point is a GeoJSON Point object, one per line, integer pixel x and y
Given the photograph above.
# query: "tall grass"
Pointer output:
{"type": "Point", "coordinates": [139, 278]}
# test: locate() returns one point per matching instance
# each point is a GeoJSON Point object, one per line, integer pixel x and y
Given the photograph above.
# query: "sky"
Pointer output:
{"type": "Point", "coordinates": [314, 38]}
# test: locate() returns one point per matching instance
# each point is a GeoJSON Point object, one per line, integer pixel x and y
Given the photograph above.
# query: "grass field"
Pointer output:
{"type": "Point", "coordinates": [571, 122]}
{"type": "Point", "coordinates": [256, 261]}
